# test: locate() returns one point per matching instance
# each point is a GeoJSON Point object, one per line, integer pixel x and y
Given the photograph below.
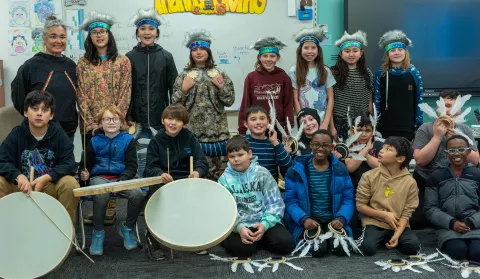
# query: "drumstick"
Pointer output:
{"type": "Point", "coordinates": [168, 160]}
{"type": "Point", "coordinates": [32, 172]}
{"type": "Point", "coordinates": [191, 164]}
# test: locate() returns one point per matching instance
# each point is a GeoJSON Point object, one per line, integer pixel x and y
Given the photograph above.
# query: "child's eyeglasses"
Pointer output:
{"type": "Point", "coordinates": [457, 150]}
{"type": "Point", "coordinates": [315, 145]}
{"type": "Point", "coordinates": [98, 33]}
{"type": "Point", "coordinates": [115, 119]}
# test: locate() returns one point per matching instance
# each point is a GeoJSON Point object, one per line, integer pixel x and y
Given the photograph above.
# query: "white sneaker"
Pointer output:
{"type": "Point", "coordinates": [202, 252]}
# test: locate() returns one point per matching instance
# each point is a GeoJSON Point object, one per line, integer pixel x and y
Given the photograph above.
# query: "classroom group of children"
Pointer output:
{"type": "Point", "coordinates": [171, 117]}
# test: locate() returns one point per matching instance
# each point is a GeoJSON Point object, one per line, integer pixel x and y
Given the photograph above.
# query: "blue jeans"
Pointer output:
{"type": "Point", "coordinates": [135, 200]}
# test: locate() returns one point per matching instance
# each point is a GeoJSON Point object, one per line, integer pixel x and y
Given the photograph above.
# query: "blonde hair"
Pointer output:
{"type": "Point", "coordinates": [113, 110]}
{"type": "Point", "coordinates": [386, 62]}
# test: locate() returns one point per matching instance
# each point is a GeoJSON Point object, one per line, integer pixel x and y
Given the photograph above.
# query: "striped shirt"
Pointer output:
{"type": "Point", "coordinates": [355, 94]}
{"type": "Point", "coordinates": [319, 186]}
{"type": "Point", "coordinates": [270, 157]}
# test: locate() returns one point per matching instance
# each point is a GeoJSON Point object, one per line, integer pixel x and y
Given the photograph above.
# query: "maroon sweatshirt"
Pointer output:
{"type": "Point", "coordinates": [259, 84]}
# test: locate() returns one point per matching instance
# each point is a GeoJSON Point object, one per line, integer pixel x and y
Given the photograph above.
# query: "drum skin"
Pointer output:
{"type": "Point", "coordinates": [191, 214]}
{"type": "Point", "coordinates": [31, 245]}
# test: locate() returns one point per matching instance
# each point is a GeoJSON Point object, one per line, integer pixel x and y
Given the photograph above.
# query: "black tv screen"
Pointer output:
{"type": "Point", "coordinates": [445, 36]}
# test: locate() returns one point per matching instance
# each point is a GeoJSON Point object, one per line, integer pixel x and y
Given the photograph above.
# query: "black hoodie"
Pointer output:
{"type": "Point", "coordinates": [181, 147]}
{"type": "Point", "coordinates": [33, 75]}
{"type": "Point", "coordinates": [153, 75]}
{"type": "Point", "coordinates": [51, 155]}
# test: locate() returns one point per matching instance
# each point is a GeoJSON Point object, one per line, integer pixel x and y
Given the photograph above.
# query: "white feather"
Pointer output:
{"type": "Point", "coordinates": [357, 121]}
{"type": "Point", "coordinates": [273, 113]}
{"type": "Point", "coordinates": [275, 267]}
{"type": "Point", "coordinates": [280, 128]}
{"type": "Point", "coordinates": [354, 245]}
{"type": "Point", "coordinates": [447, 258]}
{"type": "Point", "coordinates": [261, 267]}
{"type": "Point", "coordinates": [349, 118]}
{"type": "Point", "coordinates": [477, 271]}
{"type": "Point", "coordinates": [336, 242]}
{"type": "Point", "coordinates": [289, 127]}
{"type": "Point", "coordinates": [344, 246]}
{"type": "Point", "coordinates": [300, 245]}
{"type": "Point", "coordinates": [356, 156]}
{"type": "Point", "coordinates": [305, 250]}
{"type": "Point", "coordinates": [357, 147]}
{"type": "Point", "coordinates": [316, 244]}
{"type": "Point", "coordinates": [352, 139]}
{"type": "Point", "coordinates": [234, 267]}
{"type": "Point", "coordinates": [430, 257]}
{"type": "Point", "coordinates": [395, 269]}
{"type": "Point", "coordinates": [381, 264]}
{"type": "Point", "coordinates": [466, 272]}
{"type": "Point", "coordinates": [461, 117]}
{"type": "Point", "coordinates": [293, 266]}
{"type": "Point", "coordinates": [441, 108]}
{"type": "Point", "coordinates": [459, 102]}
{"type": "Point", "coordinates": [428, 110]}
{"type": "Point", "coordinates": [426, 267]}
{"type": "Point", "coordinates": [412, 269]}
{"type": "Point", "coordinates": [359, 36]}
{"type": "Point", "coordinates": [376, 117]}
{"type": "Point", "coordinates": [458, 132]}
{"type": "Point", "coordinates": [325, 236]}
{"type": "Point", "coordinates": [248, 267]}
{"type": "Point", "coordinates": [299, 135]}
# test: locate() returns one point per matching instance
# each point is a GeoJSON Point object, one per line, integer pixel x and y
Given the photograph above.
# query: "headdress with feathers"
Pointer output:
{"type": "Point", "coordinates": [150, 16]}
{"type": "Point", "coordinates": [268, 45]}
{"type": "Point", "coordinates": [201, 38]}
{"type": "Point", "coordinates": [95, 19]}
{"type": "Point", "coordinates": [358, 39]}
{"type": "Point", "coordinates": [394, 39]}
{"type": "Point", "coordinates": [316, 34]}
{"type": "Point", "coordinates": [456, 108]}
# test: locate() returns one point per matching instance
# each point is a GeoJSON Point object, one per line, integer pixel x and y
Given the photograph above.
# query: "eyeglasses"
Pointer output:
{"type": "Point", "coordinates": [457, 150]}
{"type": "Point", "coordinates": [316, 145]}
{"type": "Point", "coordinates": [115, 119]}
{"type": "Point", "coordinates": [98, 33]}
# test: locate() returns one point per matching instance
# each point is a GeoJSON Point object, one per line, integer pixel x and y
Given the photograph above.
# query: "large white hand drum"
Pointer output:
{"type": "Point", "coordinates": [191, 214]}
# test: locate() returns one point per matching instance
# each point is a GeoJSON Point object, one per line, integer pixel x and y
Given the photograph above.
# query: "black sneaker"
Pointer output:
{"type": "Point", "coordinates": [155, 252]}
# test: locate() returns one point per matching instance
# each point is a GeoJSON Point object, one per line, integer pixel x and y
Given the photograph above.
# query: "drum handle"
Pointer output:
{"type": "Point", "coordinates": [168, 160]}
{"type": "Point", "coordinates": [71, 241]}
{"type": "Point", "coordinates": [191, 164]}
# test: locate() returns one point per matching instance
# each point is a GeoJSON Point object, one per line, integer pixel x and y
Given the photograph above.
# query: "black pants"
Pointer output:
{"type": "Point", "coordinates": [418, 221]}
{"type": "Point", "coordinates": [460, 249]}
{"type": "Point", "coordinates": [373, 236]}
{"type": "Point", "coordinates": [408, 135]}
{"type": "Point", "coordinates": [277, 240]}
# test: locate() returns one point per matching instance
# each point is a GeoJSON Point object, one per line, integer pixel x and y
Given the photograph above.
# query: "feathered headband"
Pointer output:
{"type": "Point", "coordinates": [96, 20]}
{"type": "Point", "coordinates": [357, 39]}
{"type": "Point", "coordinates": [394, 39]}
{"type": "Point", "coordinates": [455, 110]}
{"type": "Point", "coordinates": [146, 17]}
{"type": "Point", "coordinates": [198, 39]}
{"type": "Point", "coordinates": [268, 45]}
{"type": "Point", "coordinates": [315, 35]}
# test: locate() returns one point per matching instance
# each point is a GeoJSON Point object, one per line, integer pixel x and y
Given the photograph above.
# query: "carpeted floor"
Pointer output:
{"type": "Point", "coordinates": [116, 262]}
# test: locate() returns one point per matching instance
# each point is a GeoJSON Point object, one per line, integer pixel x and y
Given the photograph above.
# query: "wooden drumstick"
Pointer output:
{"type": "Point", "coordinates": [85, 139]}
{"type": "Point", "coordinates": [191, 164]}
{"type": "Point", "coordinates": [168, 160]}
{"type": "Point", "coordinates": [32, 172]}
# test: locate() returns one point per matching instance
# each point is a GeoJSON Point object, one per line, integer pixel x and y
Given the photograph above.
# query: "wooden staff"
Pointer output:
{"type": "Point", "coordinates": [85, 139]}
{"type": "Point", "coordinates": [168, 170]}
{"type": "Point", "coordinates": [32, 172]}
{"type": "Point", "coordinates": [191, 164]}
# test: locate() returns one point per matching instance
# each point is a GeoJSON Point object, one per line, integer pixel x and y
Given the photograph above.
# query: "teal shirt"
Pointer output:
{"type": "Point", "coordinates": [320, 198]}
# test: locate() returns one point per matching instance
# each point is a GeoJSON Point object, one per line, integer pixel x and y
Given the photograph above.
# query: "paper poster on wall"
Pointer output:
{"type": "Point", "coordinates": [69, 3]}
{"type": "Point", "coordinates": [42, 9]}
{"type": "Point", "coordinates": [210, 7]}
{"type": "Point", "coordinates": [37, 45]}
{"type": "Point", "coordinates": [19, 41]}
{"type": "Point", "coordinates": [19, 13]}
{"type": "Point", "coordinates": [75, 37]}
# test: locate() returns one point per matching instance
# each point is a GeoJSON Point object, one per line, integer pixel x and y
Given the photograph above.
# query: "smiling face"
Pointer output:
{"type": "Point", "coordinates": [55, 40]}
{"type": "Point", "coordinates": [461, 148]}
{"type": "Point", "coordinates": [257, 124]}
{"type": "Point", "coordinates": [321, 146]}
{"type": "Point", "coordinates": [351, 55]}
{"type": "Point", "coordinates": [147, 34]}
{"type": "Point", "coordinates": [99, 37]}
{"type": "Point", "coordinates": [396, 55]}
{"type": "Point", "coordinates": [38, 115]}
{"type": "Point", "coordinates": [309, 51]}
{"type": "Point", "coordinates": [111, 122]}
{"type": "Point", "coordinates": [268, 61]}
{"type": "Point", "coordinates": [240, 160]}
{"type": "Point", "coordinates": [310, 125]}
{"type": "Point", "coordinates": [173, 126]}
{"type": "Point", "coordinates": [199, 55]}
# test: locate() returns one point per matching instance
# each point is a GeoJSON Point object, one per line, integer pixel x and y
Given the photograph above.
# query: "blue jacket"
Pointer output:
{"type": "Point", "coordinates": [110, 153]}
{"type": "Point", "coordinates": [297, 201]}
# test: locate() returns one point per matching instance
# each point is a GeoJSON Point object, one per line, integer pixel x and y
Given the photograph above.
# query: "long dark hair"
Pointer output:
{"type": "Point", "coordinates": [340, 71]}
{"type": "Point", "coordinates": [91, 51]}
{"type": "Point", "coordinates": [209, 64]}
{"type": "Point", "coordinates": [302, 67]}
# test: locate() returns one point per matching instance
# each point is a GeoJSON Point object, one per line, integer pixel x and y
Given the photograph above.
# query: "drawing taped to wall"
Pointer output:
{"type": "Point", "coordinates": [18, 13]}
{"type": "Point", "coordinates": [19, 41]}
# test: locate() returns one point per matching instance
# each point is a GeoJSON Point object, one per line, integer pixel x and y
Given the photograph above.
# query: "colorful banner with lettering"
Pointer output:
{"type": "Point", "coordinates": [210, 7]}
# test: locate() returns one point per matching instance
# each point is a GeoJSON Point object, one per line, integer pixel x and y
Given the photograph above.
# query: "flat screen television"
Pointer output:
{"type": "Point", "coordinates": [445, 36]}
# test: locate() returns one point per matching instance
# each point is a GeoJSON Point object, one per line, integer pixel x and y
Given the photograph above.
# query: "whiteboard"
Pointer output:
{"type": "Point", "coordinates": [232, 34]}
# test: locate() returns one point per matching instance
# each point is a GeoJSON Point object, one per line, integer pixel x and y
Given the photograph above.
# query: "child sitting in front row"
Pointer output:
{"type": "Point", "coordinates": [309, 199]}
{"type": "Point", "coordinates": [259, 204]}
{"type": "Point", "coordinates": [269, 150]}
{"type": "Point", "coordinates": [386, 198]}
{"type": "Point", "coordinates": [111, 156]}
{"type": "Point", "coordinates": [452, 202]}
{"type": "Point", "coordinates": [181, 144]}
